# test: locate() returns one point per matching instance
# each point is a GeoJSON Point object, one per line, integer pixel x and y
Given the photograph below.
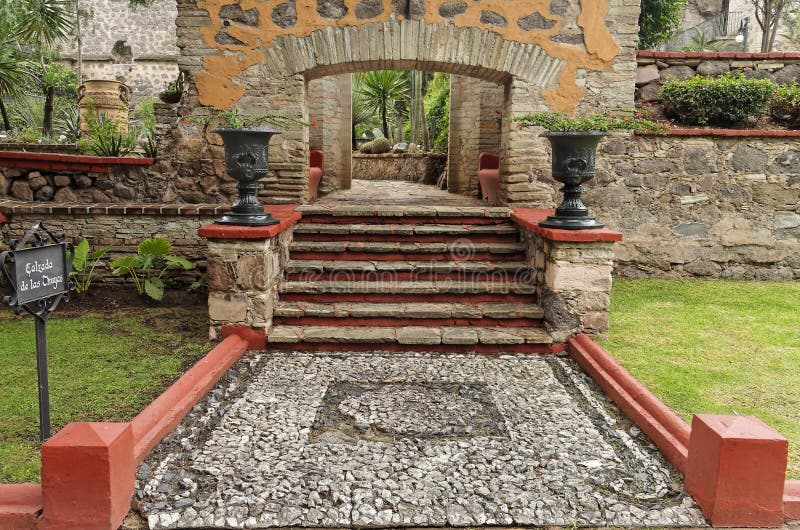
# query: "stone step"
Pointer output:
{"type": "Point", "coordinates": [459, 250]}
{"type": "Point", "coordinates": [382, 211]}
{"type": "Point", "coordinates": [400, 288]}
{"type": "Point", "coordinates": [514, 268]}
{"type": "Point", "coordinates": [328, 229]}
{"type": "Point", "coordinates": [341, 310]}
{"type": "Point", "coordinates": [408, 335]}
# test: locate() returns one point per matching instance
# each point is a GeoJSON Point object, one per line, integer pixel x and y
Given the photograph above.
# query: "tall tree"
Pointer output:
{"type": "Point", "coordinates": [380, 89]}
{"type": "Point", "coordinates": [768, 15]}
{"type": "Point", "coordinates": [658, 22]}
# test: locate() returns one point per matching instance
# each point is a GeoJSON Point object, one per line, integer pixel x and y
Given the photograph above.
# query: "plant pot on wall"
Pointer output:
{"type": "Point", "coordinates": [170, 97]}
{"type": "Point", "coordinates": [247, 160]}
{"type": "Point", "coordinates": [573, 164]}
{"type": "Point", "coordinates": [104, 97]}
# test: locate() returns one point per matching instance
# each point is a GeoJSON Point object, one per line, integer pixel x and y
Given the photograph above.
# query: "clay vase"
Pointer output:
{"type": "Point", "coordinates": [104, 97]}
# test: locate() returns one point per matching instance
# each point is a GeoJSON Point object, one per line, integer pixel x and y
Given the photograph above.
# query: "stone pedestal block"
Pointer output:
{"type": "Point", "coordinates": [736, 470]}
{"type": "Point", "coordinates": [87, 477]}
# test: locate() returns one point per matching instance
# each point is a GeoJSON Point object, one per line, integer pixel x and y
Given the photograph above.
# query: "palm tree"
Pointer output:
{"type": "Point", "coordinates": [42, 23]}
{"type": "Point", "coordinates": [14, 73]}
{"type": "Point", "coordinates": [379, 90]}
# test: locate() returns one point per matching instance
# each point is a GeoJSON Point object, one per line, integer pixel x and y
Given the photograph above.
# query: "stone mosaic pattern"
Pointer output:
{"type": "Point", "coordinates": [407, 440]}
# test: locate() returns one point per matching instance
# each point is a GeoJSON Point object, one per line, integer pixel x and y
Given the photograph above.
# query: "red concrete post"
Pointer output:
{"type": "Point", "coordinates": [736, 470]}
{"type": "Point", "coordinates": [87, 477]}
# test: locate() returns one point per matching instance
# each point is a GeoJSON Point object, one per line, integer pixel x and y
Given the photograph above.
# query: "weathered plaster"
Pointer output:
{"type": "Point", "coordinates": [218, 86]}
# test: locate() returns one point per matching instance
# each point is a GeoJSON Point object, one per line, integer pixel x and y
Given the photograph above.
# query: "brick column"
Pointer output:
{"type": "Point", "coordinates": [245, 266]}
{"type": "Point", "coordinates": [572, 273]}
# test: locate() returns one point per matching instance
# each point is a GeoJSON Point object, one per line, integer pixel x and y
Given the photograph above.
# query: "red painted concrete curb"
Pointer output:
{"type": "Point", "coordinates": [529, 218]}
{"type": "Point", "coordinates": [716, 55]}
{"type": "Point", "coordinates": [667, 430]}
{"type": "Point", "coordinates": [286, 214]}
{"type": "Point", "coordinates": [791, 501]}
{"type": "Point", "coordinates": [748, 133]}
{"type": "Point", "coordinates": [256, 338]}
{"type": "Point", "coordinates": [61, 162]}
{"type": "Point", "coordinates": [167, 411]}
{"type": "Point", "coordinates": [20, 505]}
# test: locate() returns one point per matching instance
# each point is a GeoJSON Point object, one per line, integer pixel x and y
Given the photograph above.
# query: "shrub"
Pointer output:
{"type": "Point", "coordinates": [723, 100]}
{"type": "Point", "coordinates": [106, 137]}
{"type": "Point", "coordinates": [562, 122]}
{"type": "Point", "coordinates": [148, 265]}
{"type": "Point", "coordinates": [381, 146]}
{"type": "Point", "coordinates": [786, 105]}
{"type": "Point", "coordinates": [367, 147]}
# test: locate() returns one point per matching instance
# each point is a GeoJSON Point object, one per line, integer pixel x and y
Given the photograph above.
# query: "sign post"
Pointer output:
{"type": "Point", "coordinates": [37, 267]}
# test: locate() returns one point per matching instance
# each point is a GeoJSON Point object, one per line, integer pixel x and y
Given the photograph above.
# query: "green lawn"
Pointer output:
{"type": "Point", "coordinates": [101, 369]}
{"type": "Point", "coordinates": [722, 347]}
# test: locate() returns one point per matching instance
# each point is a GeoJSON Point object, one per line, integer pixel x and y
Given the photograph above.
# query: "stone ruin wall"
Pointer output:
{"type": "Point", "coordinates": [264, 57]}
{"type": "Point", "coordinates": [136, 46]}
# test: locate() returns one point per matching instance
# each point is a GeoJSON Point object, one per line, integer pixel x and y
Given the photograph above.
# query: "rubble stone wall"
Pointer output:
{"type": "Point", "coordinates": [411, 167]}
{"type": "Point", "coordinates": [708, 206]}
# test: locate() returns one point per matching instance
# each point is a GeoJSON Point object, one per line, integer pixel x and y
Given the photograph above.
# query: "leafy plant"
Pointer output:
{"type": "Point", "coordinates": [148, 265]}
{"type": "Point", "coordinates": [84, 263]}
{"type": "Point", "coordinates": [562, 122]}
{"type": "Point", "coordinates": [106, 137]}
{"type": "Point", "coordinates": [145, 114]}
{"type": "Point", "coordinates": [72, 125]}
{"type": "Point", "coordinates": [701, 43]}
{"type": "Point", "coordinates": [234, 119]}
{"type": "Point", "coordinates": [785, 107]}
{"type": "Point", "coordinates": [199, 285]}
{"type": "Point", "coordinates": [150, 146]}
{"type": "Point", "coordinates": [723, 100]}
{"type": "Point", "coordinates": [176, 86]}
{"type": "Point", "coordinates": [658, 22]}
{"type": "Point", "coordinates": [379, 90]}
{"type": "Point", "coordinates": [437, 105]}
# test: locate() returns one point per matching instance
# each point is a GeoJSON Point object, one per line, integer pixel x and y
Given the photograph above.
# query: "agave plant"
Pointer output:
{"type": "Point", "coordinates": [106, 139]}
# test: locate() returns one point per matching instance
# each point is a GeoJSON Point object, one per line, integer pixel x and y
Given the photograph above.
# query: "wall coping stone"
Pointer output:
{"type": "Point", "coordinates": [647, 54]}
{"type": "Point", "coordinates": [65, 162]}
{"type": "Point", "coordinates": [11, 207]}
{"type": "Point", "coordinates": [398, 155]}
{"type": "Point", "coordinates": [287, 214]}
{"type": "Point", "coordinates": [763, 133]}
{"type": "Point", "coordinates": [529, 218]}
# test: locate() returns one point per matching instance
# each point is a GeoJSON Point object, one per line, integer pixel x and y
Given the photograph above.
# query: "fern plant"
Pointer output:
{"type": "Point", "coordinates": [147, 267]}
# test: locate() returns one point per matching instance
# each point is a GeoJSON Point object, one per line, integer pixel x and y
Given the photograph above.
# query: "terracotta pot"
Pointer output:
{"type": "Point", "coordinates": [104, 97]}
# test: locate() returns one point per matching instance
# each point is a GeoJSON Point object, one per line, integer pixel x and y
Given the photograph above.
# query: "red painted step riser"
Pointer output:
{"type": "Point", "coordinates": [402, 298]}
{"type": "Point", "coordinates": [379, 220]}
{"type": "Point", "coordinates": [388, 322]}
{"type": "Point", "coordinates": [403, 238]}
{"type": "Point", "coordinates": [489, 349]}
{"type": "Point", "coordinates": [375, 256]}
{"type": "Point", "coordinates": [313, 276]}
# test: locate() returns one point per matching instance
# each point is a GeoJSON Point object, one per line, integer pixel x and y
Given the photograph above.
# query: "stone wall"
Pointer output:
{"type": "Point", "coordinates": [655, 68]}
{"type": "Point", "coordinates": [708, 206]}
{"type": "Point", "coordinates": [121, 184]}
{"type": "Point", "coordinates": [330, 112]}
{"type": "Point", "coordinates": [136, 46]}
{"type": "Point", "coordinates": [476, 125]}
{"type": "Point", "coordinates": [124, 226]}
{"type": "Point", "coordinates": [410, 167]}
{"type": "Point", "coordinates": [563, 54]}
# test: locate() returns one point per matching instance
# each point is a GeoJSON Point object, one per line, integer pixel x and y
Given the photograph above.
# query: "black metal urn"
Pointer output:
{"type": "Point", "coordinates": [573, 164]}
{"type": "Point", "coordinates": [247, 160]}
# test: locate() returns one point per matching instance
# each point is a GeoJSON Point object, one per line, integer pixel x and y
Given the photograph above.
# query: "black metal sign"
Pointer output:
{"type": "Point", "coordinates": [37, 268]}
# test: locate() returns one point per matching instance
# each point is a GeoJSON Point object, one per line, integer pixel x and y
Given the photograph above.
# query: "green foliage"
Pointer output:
{"type": "Point", "coordinates": [71, 123]}
{"type": "Point", "coordinates": [145, 114]}
{"type": "Point", "coordinates": [150, 146]}
{"type": "Point", "coordinates": [723, 100]}
{"type": "Point", "coordinates": [41, 23]}
{"type": "Point", "coordinates": [106, 137]}
{"type": "Point", "coordinates": [380, 91]}
{"type": "Point", "coordinates": [562, 122]}
{"type": "Point", "coordinates": [437, 108]}
{"type": "Point", "coordinates": [366, 148]}
{"type": "Point", "coordinates": [84, 264]}
{"type": "Point", "coordinates": [176, 86]}
{"type": "Point", "coordinates": [381, 146]}
{"type": "Point", "coordinates": [785, 107]}
{"type": "Point", "coordinates": [234, 119]}
{"type": "Point", "coordinates": [147, 267]}
{"type": "Point", "coordinates": [701, 43]}
{"type": "Point", "coordinates": [658, 22]}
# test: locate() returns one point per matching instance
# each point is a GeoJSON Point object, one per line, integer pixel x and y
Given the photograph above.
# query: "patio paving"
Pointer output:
{"type": "Point", "coordinates": [389, 440]}
{"type": "Point", "coordinates": [389, 192]}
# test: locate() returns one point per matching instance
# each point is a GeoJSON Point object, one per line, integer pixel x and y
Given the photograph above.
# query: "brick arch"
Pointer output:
{"type": "Point", "coordinates": [473, 52]}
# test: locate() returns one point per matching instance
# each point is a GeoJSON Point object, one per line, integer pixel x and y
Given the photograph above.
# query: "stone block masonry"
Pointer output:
{"type": "Point", "coordinates": [412, 167]}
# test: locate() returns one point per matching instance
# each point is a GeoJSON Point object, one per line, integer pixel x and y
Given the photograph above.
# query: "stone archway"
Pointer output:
{"type": "Point", "coordinates": [258, 56]}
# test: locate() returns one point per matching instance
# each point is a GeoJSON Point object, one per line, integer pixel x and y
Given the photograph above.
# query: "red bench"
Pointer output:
{"type": "Point", "coordinates": [489, 176]}
{"type": "Point", "coordinates": [315, 163]}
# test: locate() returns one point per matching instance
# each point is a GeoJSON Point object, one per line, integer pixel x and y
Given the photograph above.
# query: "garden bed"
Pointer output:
{"type": "Point", "coordinates": [110, 354]}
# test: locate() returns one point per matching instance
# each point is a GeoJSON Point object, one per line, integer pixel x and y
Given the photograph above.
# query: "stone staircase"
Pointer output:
{"type": "Point", "coordinates": [447, 279]}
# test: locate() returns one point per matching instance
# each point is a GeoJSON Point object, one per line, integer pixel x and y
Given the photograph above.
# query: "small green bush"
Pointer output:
{"type": "Point", "coordinates": [723, 100]}
{"type": "Point", "coordinates": [381, 146]}
{"type": "Point", "coordinates": [367, 147]}
{"type": "Point", "coordinates": [785, 107]}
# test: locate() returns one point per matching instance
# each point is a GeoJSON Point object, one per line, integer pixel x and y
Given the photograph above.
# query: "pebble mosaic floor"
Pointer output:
{"type": "Point", "coordinates": [396, 440]}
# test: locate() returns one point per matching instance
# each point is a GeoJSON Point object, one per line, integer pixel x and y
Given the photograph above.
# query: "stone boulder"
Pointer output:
{"type": "Point", "coordinates": [713, 67]}
{"type": "Point", "coordinates": [646, 74]}
{"type": "Point", "coordinates": [679, 72]}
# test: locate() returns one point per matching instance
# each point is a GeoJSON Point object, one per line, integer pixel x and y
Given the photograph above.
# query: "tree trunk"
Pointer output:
{"type": "Point", "coordinates": [6, 121]}
{"type": "Point", "coordinates": [79, 39]}
{"type": "Point", "coordinates": [384, 121]}
{"type": "Point", "coordinates": [50, 95]}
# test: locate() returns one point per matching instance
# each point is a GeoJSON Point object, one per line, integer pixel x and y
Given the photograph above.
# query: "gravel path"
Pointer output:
{"type": "Point", "coordinates": [408, 440]}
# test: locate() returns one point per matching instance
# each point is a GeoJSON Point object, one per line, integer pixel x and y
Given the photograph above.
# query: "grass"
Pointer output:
{"type": "Point", "coordinates": [721, 347]}
{"type": "Point", "coordinates": [101, 369]}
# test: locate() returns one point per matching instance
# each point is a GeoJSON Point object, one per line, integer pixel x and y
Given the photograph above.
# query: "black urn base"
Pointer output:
{"type": "Point", "coordinates": [571, 223]}
{"type": "Point", "coordinates": [247, 219]}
